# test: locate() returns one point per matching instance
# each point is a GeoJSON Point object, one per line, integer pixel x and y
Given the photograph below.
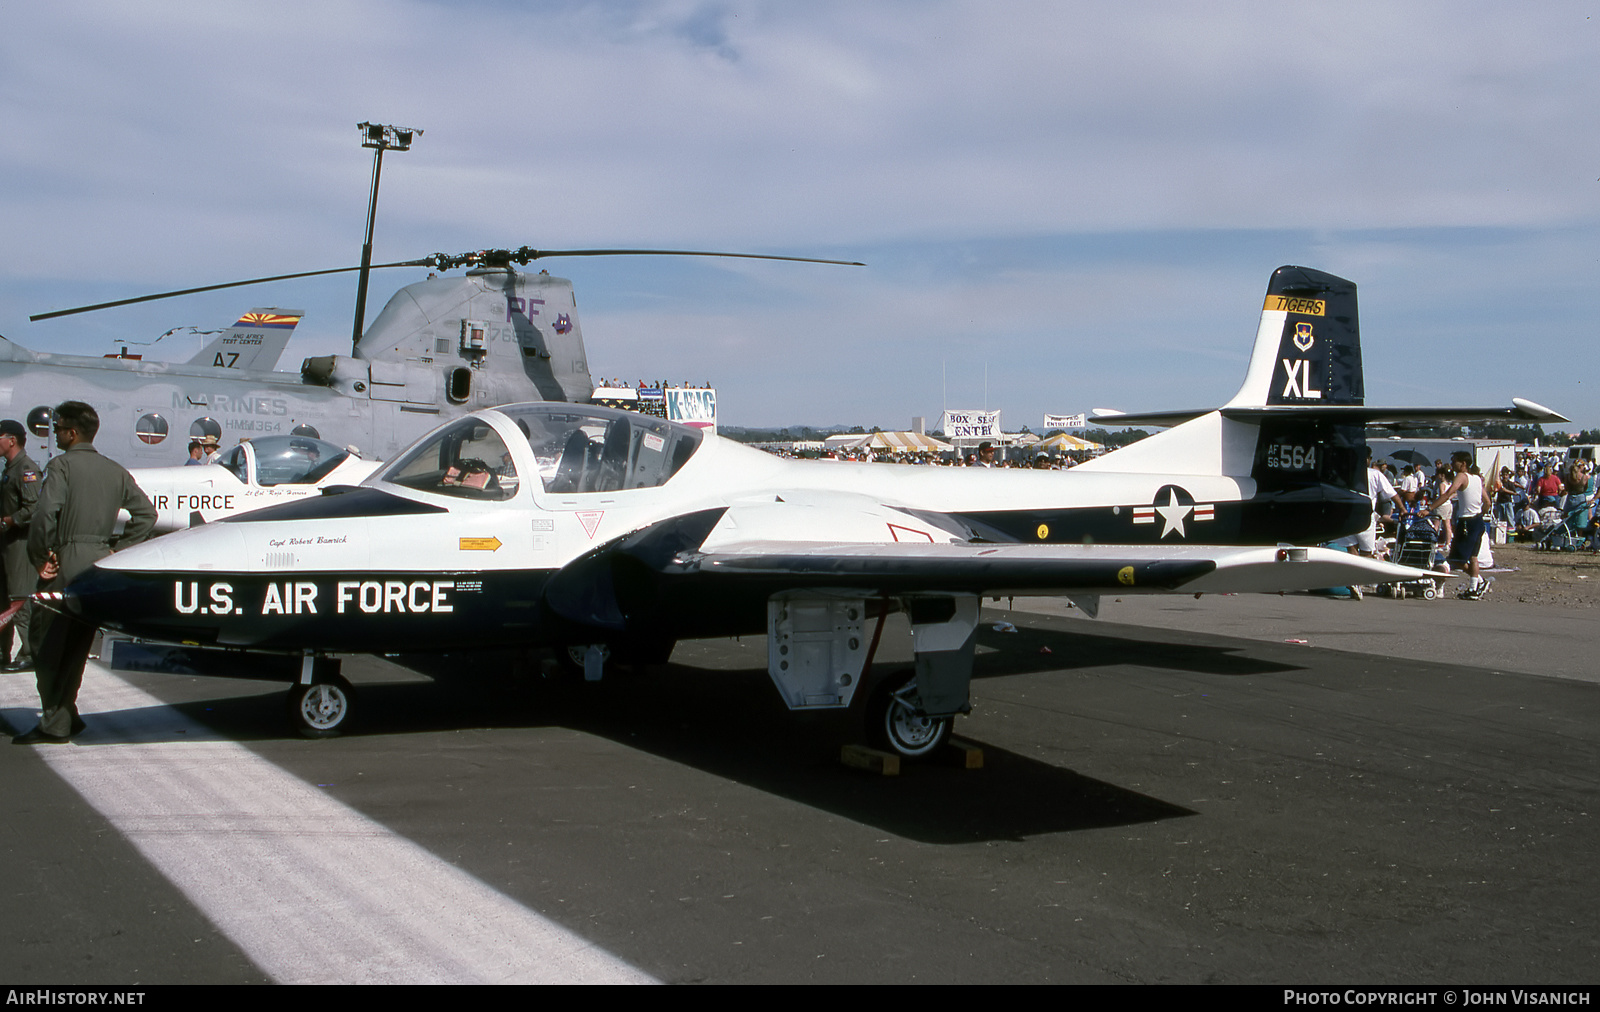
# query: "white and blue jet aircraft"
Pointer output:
{"type": "Point", "coordinates": [255, 474]}
{"type": "Point", "coordinates": [578, 528]}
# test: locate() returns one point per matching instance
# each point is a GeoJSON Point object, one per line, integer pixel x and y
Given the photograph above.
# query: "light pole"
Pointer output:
{"type": "Point", "coordinates": [380, 137]}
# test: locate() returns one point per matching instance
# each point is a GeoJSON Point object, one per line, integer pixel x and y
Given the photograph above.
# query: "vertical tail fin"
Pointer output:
{"type": "Point", "coordinates": [1307, 355]}
{"type": "Point", "coordinates": [1308, 347]}
{"type": "Point", "coordinates": [255, 342]}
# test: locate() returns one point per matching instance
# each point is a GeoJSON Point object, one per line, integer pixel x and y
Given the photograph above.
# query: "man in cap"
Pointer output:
{"type": "Point", "coordinates": [985, 454]}
{"type": "Point", "coordinates": [70, 532]}
{"type": "Point", "coordinates": [211, 449]}
{"type": "Point", "coordinates": [19, 491]}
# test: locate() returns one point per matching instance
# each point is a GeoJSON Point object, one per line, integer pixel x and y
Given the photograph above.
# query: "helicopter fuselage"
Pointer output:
{"type": "Point", "coordinates": [441, 347]}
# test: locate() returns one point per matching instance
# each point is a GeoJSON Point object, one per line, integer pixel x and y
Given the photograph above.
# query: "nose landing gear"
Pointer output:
{"type": "Point", "coordinates": [319, 706]}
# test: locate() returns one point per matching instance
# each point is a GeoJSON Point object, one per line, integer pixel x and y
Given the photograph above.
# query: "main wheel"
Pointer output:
{"type": "Point", "coordinates": [321, 709]}
{"type": "Point", "coordinates": [897, 726]}
{"type": "Point", "coordinates": [571, 659]}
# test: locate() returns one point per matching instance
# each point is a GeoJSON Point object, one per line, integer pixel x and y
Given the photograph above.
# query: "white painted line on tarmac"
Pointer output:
{"type": "Point", "coordinates": [311, 890]}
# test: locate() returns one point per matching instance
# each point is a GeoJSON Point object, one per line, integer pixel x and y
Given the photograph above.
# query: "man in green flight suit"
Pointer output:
{"type": "Point", "coordinates": [71, 531]}
{"type": "Point", "coordinates": [19, 492]}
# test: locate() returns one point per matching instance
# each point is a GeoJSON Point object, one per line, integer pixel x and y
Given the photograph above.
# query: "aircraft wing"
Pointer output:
{"type": "Point", "coordinates": [660, 570]}
{"type": "Point", "coordinates": [1042, 569]}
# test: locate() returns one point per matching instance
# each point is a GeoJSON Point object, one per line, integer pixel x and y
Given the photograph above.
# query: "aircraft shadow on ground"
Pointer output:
{"type": "Point", "coordinates": [731, 723]}
{"type": "Point", "coordinates": [1037, 648]}
{"type": "Point", "coordinates": [727, 723]}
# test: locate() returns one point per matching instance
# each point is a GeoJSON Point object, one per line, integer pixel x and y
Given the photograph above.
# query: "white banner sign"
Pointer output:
{"type": "Point", "coordinates": [1064, 422]}
{"type": "Point", "coordinates": [693, 407]}
{"type": "Point", "coordinates": [971, 425]}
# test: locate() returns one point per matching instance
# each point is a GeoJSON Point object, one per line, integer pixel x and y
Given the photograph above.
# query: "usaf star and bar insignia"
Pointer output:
{"type": "Point", "coordinates": [1178, 510]}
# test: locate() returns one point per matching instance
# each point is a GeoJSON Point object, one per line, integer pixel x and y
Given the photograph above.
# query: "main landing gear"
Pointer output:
{"type": "Point", "coordinates": [895, 720]}
{"type": "Point", "coordinates": [820, 648]}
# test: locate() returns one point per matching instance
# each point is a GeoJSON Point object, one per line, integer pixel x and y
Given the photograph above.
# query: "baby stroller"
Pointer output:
{"type": "Point", "coordinates": [1414, 544]}
{"type": "Point", "coordinates": [1562, 530]}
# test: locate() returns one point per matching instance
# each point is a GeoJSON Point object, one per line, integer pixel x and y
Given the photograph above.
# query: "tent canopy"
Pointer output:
{"type": "Point", "coordinates": [1065, 441]}
{"type": "Point", "coordinates": [900, 442]}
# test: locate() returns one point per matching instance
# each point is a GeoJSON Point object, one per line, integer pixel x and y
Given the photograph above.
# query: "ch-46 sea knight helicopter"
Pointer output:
{"type": "Point", "coordinates": [440, 348]}
{"type": "Point", "coordinates": [597, 532]}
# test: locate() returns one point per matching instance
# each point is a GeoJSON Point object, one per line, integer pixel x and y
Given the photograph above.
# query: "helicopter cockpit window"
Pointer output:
{"type": "Point", "coordinates": [591, 449]}
{"type": "Point", "coordinates": [294, 460]}
{"type": "Point", "coordinates": [468, 460]}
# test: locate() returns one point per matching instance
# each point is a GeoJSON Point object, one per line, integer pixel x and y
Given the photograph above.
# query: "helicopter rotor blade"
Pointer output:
{"type": "Point", "coordinates": [213, 288]}
{"type": "Point", "coordinates": [527, 254]}
{"type": "Point", "coordinates": [445, 261]}
{"type": "Point", "coordinates": [541, 254]}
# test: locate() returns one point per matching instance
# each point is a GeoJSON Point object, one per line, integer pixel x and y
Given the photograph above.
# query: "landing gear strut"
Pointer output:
{"type": "Point", "coordinates": [819, 652]}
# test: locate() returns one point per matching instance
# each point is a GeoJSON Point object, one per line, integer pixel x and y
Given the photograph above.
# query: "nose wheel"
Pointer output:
{"type": "Point", "coordinates": [321, 709]}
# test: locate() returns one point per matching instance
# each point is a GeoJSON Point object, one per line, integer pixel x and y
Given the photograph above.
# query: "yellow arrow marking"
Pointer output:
{"type": "Point", "coordinates": [480, 544]}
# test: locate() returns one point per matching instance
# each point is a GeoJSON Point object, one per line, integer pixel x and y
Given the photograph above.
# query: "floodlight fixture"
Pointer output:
{"type": "Point", "coordinates": [380, 137]}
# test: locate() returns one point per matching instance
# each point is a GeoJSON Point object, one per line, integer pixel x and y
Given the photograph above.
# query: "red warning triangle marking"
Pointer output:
{"type": "Point", "coordinates": [590, 519]}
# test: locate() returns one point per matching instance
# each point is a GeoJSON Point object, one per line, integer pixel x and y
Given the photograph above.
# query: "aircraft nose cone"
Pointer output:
{"type": "Point", "coordinates": [64, 601]}
{"type": "Point", "coordinates": [125, 601]}
{"type": "Point", "coordinates": [103, 597]}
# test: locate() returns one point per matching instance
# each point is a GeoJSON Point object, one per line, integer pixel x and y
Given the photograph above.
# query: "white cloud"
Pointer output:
{"type": "Point", "coordinates": [168, 144]}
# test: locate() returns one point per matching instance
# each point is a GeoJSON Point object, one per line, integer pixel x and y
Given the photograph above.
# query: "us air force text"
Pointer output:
{"type": "Point", "coordinates": [300, 597]}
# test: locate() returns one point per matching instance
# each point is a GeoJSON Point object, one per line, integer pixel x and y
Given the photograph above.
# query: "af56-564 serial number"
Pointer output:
{"type": "Point", "coordinates": [1288, 457]}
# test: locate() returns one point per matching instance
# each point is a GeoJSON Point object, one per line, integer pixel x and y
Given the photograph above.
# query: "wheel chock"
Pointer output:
{"type": "Point", "coordinates": [861, 757]}
{"type": "Point", "coordinates": [962, 753]}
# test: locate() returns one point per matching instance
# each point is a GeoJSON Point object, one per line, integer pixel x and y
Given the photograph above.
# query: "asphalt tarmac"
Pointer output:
{"type": "Point", "coordinates": [1158, 804]}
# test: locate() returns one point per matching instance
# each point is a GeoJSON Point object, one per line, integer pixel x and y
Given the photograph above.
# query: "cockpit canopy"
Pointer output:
{"type": "Point", "coordinates": [285, 460]}
{"type": "Point", "coordinates": [574, 448]}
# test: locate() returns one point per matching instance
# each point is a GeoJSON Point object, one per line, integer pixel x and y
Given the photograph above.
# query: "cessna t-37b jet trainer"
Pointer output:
{"type": "Point", "coordinates": [611, 535]}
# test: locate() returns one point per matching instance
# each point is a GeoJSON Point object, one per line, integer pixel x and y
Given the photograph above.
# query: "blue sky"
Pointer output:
{"type": "Point", "coordinates": [1081, 201]}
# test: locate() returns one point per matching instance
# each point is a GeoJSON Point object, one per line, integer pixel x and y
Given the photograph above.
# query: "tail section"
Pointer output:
{"type": "Point", "coordinates": [1294, 437]}
{"type": "Point", "coordinates": [255, 342]}
{"type": "Point", "coordinates": [1307, 357]}
{"type": "Point", "coordinates": [1288, 437]}
{"type": "Point", "coordinates": [1308, 347]}
{"type": "Point", "coordinates": [1276, 430]}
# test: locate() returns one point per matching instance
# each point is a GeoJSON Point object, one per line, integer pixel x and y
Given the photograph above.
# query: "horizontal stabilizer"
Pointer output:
{"type": "Point", "coordinates": [1352, 414]}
